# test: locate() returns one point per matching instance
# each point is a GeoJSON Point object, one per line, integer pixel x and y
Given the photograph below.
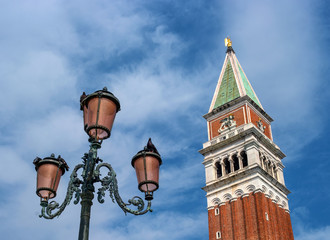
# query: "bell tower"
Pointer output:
{"type": "Point", "coordinates": [245, 188]}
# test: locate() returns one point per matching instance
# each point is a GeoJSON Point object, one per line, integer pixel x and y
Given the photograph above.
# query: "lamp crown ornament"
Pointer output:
{"type": "Point", "coordinates": [99, 112]}
{"type": "Point", "coordinates": [151, 147]}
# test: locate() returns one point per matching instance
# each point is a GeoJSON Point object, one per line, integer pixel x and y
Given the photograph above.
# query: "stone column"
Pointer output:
{"type": "Point", "coordinates": [223, 169]}
{"type": "Point", "coordinates": [231, 161]}
{"type": "Point", "coordinates": [271, 169]}
{"type": "Point", "coordinates": [275, 173]}
{"type": "Point", "coordinates": [280, 174]}
{"type": "Point", "coordinates": [240, 161]}
{"type": "Point", "coordinates": [262, 160]}
{"type": "Point", "coordinates": [266, 165]}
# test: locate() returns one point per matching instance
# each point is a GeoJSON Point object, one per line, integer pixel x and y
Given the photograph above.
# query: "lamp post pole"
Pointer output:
{"type": "Point", "coordinates": [87, 194]}
{"type": "Point", "coordinates": [97, 108]}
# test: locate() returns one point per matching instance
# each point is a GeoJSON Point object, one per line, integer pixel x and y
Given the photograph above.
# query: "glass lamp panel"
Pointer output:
{"type": "Point", "coordinates": [92, 112]}
{"type": "Point", "coordinates": [148, 187]}
{"type": "Point", "coordinates": [151, 174]}
{"type": "Point", "coordinates": [108, 110]}
{"type": "Point", "coordinates": [107, 113]}
{"type": "Point", "coordinates": [46, 178]}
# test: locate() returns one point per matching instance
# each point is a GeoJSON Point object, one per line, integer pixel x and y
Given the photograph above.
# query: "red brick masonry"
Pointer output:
{"type": "Point", "coordinates": [252, 217]}
{"type": "Point", "coordinates": [242, 115]}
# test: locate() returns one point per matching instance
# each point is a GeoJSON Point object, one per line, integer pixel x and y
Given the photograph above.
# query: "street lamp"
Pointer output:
{"type": "Point", "coordinates": [99, 110]}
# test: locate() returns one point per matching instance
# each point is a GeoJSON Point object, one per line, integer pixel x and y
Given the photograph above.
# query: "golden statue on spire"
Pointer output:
{"type": "Point", "coordinates": [227, 42]}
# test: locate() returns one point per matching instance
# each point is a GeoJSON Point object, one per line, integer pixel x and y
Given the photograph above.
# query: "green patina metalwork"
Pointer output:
{"type": "Point", "coordinates": [228, 89]}
{"type": "Point", "coordinates": [83, 190]}
{"type": "Point", "coordinates": [248, 88]}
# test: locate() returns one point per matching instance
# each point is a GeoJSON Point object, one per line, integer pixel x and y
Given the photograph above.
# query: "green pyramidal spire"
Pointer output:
{"type": "Point", "coordinates": [232, 82]}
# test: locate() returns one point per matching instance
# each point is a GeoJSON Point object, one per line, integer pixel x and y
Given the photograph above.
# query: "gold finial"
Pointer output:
{"type": "Point", "coordinates": [227, 42]}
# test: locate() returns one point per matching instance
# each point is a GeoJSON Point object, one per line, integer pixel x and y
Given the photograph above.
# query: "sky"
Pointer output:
{"type": "Point", "coordinates": [162, 60]}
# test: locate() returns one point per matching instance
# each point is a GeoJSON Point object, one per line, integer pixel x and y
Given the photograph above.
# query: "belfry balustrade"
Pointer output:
{"type": "Point", "coordinates": [99, 111]}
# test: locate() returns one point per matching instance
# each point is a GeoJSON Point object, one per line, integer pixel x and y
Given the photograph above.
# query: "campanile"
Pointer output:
{"type": "Point", "coordinates": [245, 189]}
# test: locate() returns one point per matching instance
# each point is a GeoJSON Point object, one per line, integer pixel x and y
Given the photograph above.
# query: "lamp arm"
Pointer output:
{"type": "Point", "coordinates": [109, 182]}
{"type": "Point", "coordinates": [73, 187]}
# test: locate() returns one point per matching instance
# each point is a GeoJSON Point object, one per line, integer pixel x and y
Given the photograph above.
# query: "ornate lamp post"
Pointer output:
{"type": "Point", "coordinates": [99, 109]}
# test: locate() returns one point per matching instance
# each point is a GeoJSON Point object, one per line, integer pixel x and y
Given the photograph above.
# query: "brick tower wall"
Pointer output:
{"type": "Point", "coordinates": [251, 217]}
{"type": "Point", "coordinates": [242, 115]}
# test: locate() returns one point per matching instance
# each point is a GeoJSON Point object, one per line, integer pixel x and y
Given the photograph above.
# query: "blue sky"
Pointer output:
{"type": "Point", "coordinates": [162, 60]}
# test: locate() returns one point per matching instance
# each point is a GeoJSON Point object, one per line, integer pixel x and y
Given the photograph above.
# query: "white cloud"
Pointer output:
{"type": "Point", "coordinates": [274, 43]}
{"type": "Point", "coordinates": [160, 226]}
{"type": "Point", "coordinates": [17, 169]}
{"type": "Point", "coordinates": [314, 234]}
{"type": "Point", "coordinates": [154, 89]}
{"type": "Point", "coordinates": [58, 131]}
{"type": "Point", "coordinates": [303, 231]}
{"type": "Point", "coordinates": [52, 47]}
{"type": "Point", "coordinates": [34, 84]}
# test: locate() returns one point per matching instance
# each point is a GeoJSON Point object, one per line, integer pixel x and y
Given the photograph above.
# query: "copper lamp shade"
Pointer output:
{"type": "Point", "coordinates": [146, 165]}
{"type": "Point", "coordinates": [99, 110]}
{"type": "Point", "coordinates": [49, 172]}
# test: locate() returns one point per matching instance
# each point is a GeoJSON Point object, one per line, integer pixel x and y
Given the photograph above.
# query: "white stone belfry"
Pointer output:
{"type": "Point", "coordinates": [240, 158]}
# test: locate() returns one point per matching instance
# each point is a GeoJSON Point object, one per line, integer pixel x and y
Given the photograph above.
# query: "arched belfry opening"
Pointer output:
{"type": "Point", "coordinates": [244, 159]}
{"type": "Point", "coordinates": [236, 162]}
{"type": "Point", "coordinates": [243, 166]}
{"type": "Point", "coordinates": [227, 165]}
{"type": "Point", "coordinates": [218, 169]}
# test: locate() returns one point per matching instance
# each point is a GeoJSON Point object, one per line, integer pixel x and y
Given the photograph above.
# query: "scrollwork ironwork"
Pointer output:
{"type": "Point", "coordinates": [109, 183]}
{"type": "Point", "coordinates": [90, 175]}
{"type": "Point", "coordinates": [73, 187]}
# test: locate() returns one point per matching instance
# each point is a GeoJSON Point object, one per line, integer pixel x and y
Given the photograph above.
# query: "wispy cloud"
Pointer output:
{"type": "Point", "coordinates": [303, 228]}
{"type": "Point", "coordinates": [275, 45]}
{"type": "Point", "coordinates": [163, 65]}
